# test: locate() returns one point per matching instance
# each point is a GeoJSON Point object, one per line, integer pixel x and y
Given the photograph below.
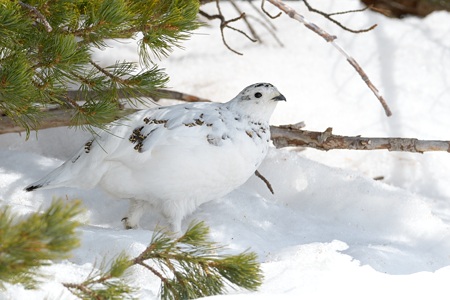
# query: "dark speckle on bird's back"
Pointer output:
{"type": "Point", "coordinates": [88, 146]}
{"type": "Point", "coordinates": [154, 121]}
{"type": "Point", "coordinates": [197, 122]}
{"type": "Point", "coordinates": [138, 138]}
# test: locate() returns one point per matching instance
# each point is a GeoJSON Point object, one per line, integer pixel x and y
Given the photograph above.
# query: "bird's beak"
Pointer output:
{"type": "Point", "coordinates": [280, 97]}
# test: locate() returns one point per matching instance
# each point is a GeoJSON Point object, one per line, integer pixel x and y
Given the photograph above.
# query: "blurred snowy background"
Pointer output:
{"type": "Point", "coordinates": [330, 230]}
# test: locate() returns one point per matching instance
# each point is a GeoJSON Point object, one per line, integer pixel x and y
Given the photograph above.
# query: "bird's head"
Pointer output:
{"type": "Point", "coordinates": [257, 101]}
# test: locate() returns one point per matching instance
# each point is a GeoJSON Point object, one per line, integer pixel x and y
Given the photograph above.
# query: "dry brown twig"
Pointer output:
{"type": "Point", "coordinates": [296, 16]}
{"type": "Point", "coordinates": [266, 24]}
{"type": "Point", "coordinates": [331, 39]}
{"type": "Point", "coordinates": [264, 179]}
{"type": "Point", "coordinates": [282, 136]}
{"type": "Point", "coordinates": [226, 24]}
{"type": "Point", "coordinates": [293, 136]}
{"type": "Point", "coordinates": [330, 16]}
{"type": "Point", "coordinates": [156, 95]}
{"type": "Point", "coordinates": [57, 116]}
{"type": "Point", "coordinates": [244, 18]}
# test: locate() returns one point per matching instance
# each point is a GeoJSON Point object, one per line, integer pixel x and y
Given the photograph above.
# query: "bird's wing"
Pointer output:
{"type": "Point", "coordinates": [131, 141]}
{"type": "Point", "coordinates": [185, 125]}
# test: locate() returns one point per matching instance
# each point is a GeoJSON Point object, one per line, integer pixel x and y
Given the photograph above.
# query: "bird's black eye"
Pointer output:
{"type": "Point", "coordinates": [258, 95]}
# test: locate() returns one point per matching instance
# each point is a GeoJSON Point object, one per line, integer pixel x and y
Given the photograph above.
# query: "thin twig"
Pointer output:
{"type": "Point", "coordinates": [264, 179]}
{"type": "Point", "coordinates": [38, 14]}
{"type": "Point", "coordinates": [107, 73]}
{"type": "Point", "coordinates": [267, 13]}
{"type": "Point", "coordinates": [269, 29]}
{"type": "Point", "coordinates": [329, 16]}
{"type": "Point", "coordinates": [82, 288]}
{"type": "Point", "coordinates": [262, 14]}
{"type": "Point", "coordinates": [244, 18]}
{"type": "Point", "coordinates": [226, 24]}
{"type": "Point", "coordinates": [292, 136]}
{"type": "Point", "coordinates": [151, 269]}
{"type": "Point", "coordinates": [331, 39]}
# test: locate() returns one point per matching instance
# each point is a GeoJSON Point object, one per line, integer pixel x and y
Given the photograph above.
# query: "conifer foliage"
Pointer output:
{"type": "Point", "coordinates": [45, 49]}
{"type": "Point", "coordinates": [27, 244]}
{"type": "Point", "coordinates": [188, 267]}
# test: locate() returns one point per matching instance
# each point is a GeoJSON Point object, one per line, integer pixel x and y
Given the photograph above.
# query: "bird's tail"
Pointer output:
{"type": "Point", "coordinates": [34, 186]}
{"type": "Point", "coordinates": [49, 181]}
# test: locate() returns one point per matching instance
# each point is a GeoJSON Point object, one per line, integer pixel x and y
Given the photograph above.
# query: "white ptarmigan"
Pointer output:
{"type": "Point", "coordinates": [174, 158]}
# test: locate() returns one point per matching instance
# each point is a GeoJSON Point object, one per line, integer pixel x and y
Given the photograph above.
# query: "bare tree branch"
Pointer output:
{"type": "Point", "coordinates": [155, 95]}
{"type": "Point", "coordinates": [55, 117]}
{"type": "Point", "coordinates": [267, 13]}
{"type": "Point", "coordinates": [226, 24]}
{"type": "Point", "coordinates": [331, 39]}
{"type": "Point", "coordinates": [58, 116]}
{"type": "Point", "coordinates": [292, 136]}
{"type": "Point", "coordinates": [262, 14]}
{"type": "Point", "coordinates": [329, 16]}
{"type": "Point", "coordinates": [268, 28]}
{"type": "Point", "coordinates": [282, 136]}
{"type": "Point", "coordinates": [244, 18]}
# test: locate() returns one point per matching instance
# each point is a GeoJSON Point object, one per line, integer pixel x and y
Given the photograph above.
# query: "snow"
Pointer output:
{"type": "Point", "coordinates": [330, 230]}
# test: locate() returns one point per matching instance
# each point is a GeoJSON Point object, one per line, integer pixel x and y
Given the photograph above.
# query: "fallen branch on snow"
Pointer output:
{"type": "Point", "coordinates": [282, 136]}
{"type": "Point", "coordinates": [293, 136]}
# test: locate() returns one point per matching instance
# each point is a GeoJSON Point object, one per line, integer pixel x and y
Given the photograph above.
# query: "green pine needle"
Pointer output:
{"type": "Point", "coordinates": [29, 243]}
{"type": "Point", "coordinates": [38, 66]}
{"type": "Point", "coordinates": [190, 266]}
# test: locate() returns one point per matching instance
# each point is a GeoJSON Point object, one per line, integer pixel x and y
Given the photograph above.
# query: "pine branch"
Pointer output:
{"type": "Point", "coordinates": [58, 116]}
{"type": "Point", "coordinates": [27, 244]}
{"type": "Point", "coordinates": [331, 39]}
{"type": "Point", "coordinates": [40, 63]}
{"type": "Point", "coordinates": [188, 267]}
{"type": "Point", "coordinates": [105, 285]}
{"type": "Point", "coordinates": [292, 136]}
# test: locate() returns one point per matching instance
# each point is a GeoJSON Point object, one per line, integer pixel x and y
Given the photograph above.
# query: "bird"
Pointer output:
{"type": "Point", "coordinates": [174, 158]}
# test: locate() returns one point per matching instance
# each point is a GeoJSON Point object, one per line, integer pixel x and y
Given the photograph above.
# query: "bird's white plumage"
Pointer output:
{"type": "Point", "coordinates": [177, 157]}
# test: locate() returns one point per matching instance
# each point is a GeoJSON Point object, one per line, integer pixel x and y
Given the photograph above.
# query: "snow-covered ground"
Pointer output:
{"type": "Point", "coordinates": [330, 230]}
